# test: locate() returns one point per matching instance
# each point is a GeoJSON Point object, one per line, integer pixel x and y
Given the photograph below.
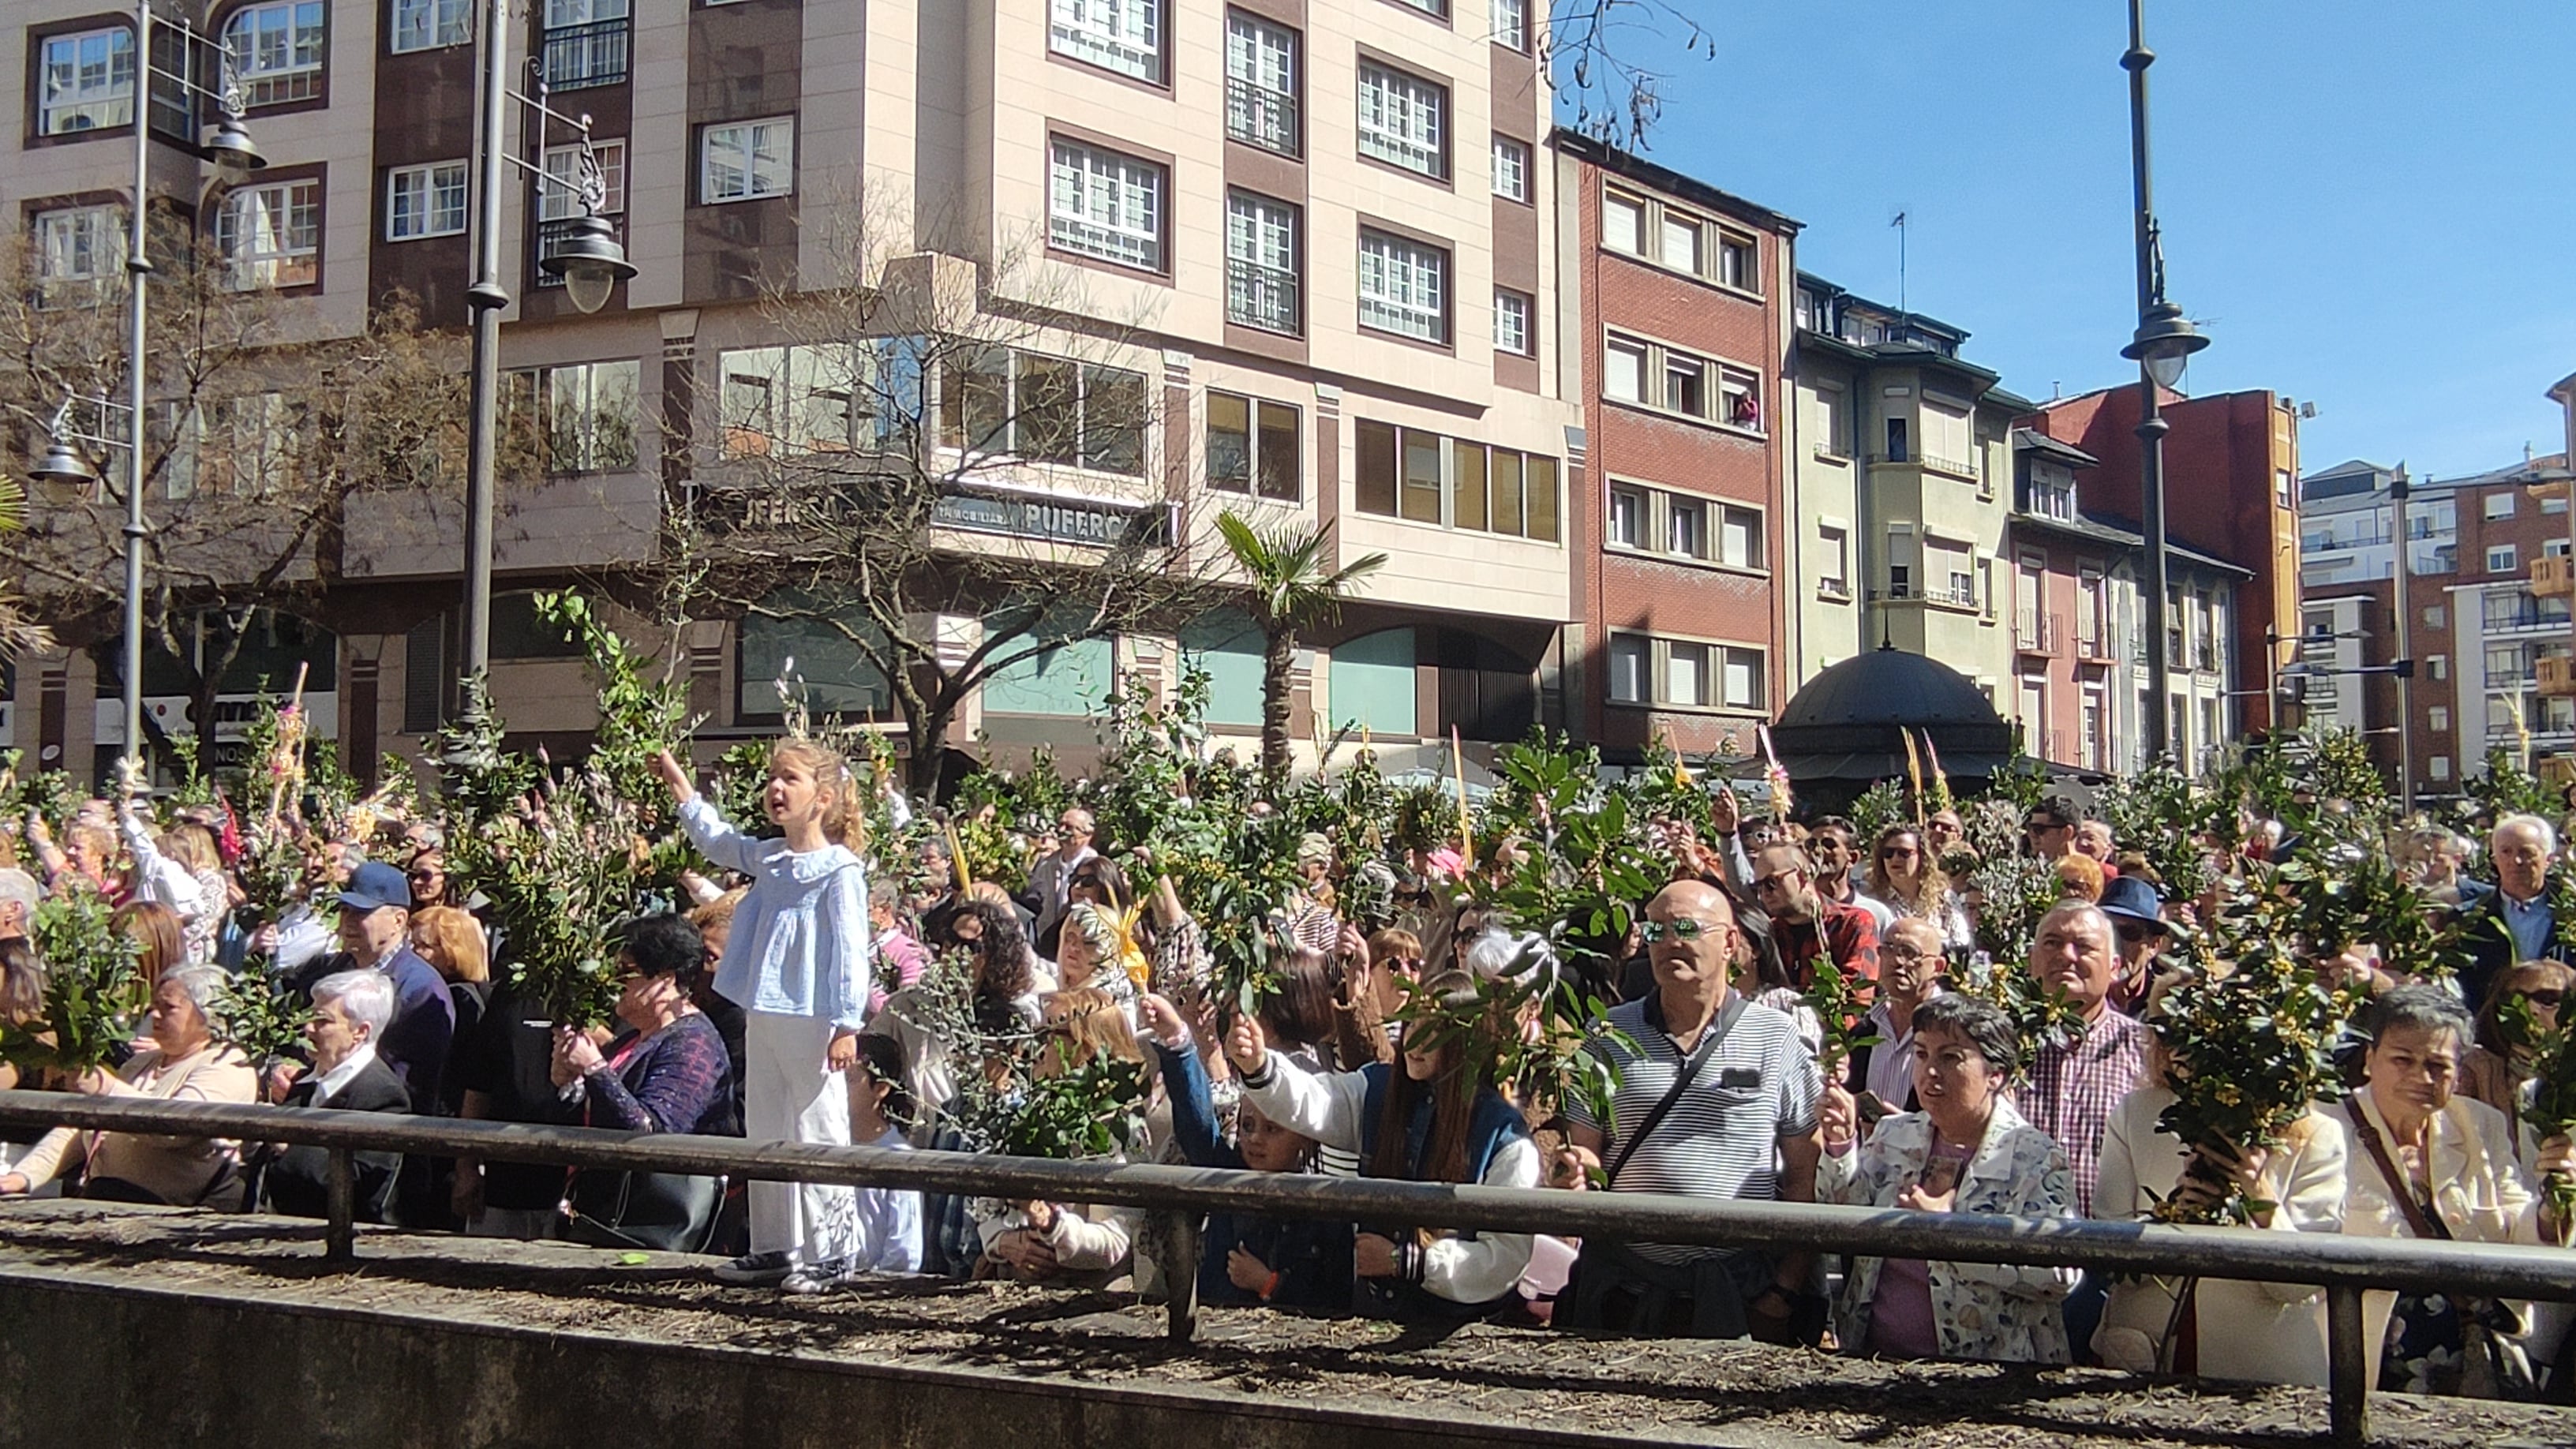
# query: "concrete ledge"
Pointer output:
{"type": "Point", "coordinates": [123, 1327]}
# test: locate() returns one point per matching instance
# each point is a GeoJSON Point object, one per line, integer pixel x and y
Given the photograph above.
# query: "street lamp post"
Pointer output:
{"type": "Point", "coordinates": [2402, 663]}
{"type": "Point", "coordinates": [226, 143]}
{"type": "Point", "coordinates": [589, 260]}
{"type": "Point", "coordinates": [2163, 343]}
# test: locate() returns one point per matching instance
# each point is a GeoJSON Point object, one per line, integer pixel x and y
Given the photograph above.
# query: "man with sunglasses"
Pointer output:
{"type": "Point", "coordinates": [1801, 925]}
{"type": "Point", "coordinates": [1716, 1098]}
{"type": "Point", "coordinates": [2137, 919]}
{"type": "Point", "coordinates": [2050, 830]}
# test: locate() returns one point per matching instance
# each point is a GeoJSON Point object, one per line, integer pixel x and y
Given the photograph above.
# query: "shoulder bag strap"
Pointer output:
{"type": "Point", "coordinates": [1709, 1039]}
{"type": "Point", "coordinates": [2425, 1222]}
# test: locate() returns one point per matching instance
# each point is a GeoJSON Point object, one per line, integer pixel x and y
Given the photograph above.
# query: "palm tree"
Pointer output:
{"type": "Point", "coordinates": [17, 631]}
{"type": "Point", "coordinates": [1289, 570]}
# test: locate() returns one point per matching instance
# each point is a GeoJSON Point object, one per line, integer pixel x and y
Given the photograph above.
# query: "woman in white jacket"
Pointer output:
{"type": "Point", "coordinates": [2453, 1158]}
{"type": "Point", "coordinates": [1430, 1118]}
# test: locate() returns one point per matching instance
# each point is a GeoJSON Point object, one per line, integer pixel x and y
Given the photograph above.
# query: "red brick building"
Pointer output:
{"type": "Point", "coordinates": [1677, 302]}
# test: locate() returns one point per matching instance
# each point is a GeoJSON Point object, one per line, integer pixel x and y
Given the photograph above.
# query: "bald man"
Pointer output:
{"type": "Point", "coordinates": [1746, 1099]}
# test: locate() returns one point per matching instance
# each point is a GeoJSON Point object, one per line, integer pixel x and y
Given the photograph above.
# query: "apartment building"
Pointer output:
{"type": "Point", "coordinates": [2485, 616]}
{"type": "Point", "coordinates": [1310, 236]}
{"type": "Point", "coordinates": [1900, 485]}
{"type": "Point", "coordinates": [1675, 302]}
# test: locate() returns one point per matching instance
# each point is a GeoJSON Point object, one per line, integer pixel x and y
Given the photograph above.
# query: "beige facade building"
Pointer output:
{"type": "Point", "coordinates": [1307, 236]}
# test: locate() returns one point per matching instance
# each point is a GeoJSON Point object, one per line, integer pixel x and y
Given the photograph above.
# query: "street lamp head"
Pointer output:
{"type": "Point", "coordinates": [2164, 342]}
{"type": "Point", "coordinates": [62, 464]}
{"type": "Point", "coordinates": [589, 260]}
{"type": "Point", "coordinates": [228, 145]}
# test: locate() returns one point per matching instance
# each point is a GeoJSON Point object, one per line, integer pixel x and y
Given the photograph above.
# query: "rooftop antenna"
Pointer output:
{"type": "Point", "coordinates": [1899, 223]}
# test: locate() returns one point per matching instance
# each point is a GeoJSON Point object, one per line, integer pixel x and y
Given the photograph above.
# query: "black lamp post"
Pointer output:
{"type": "Point", "coordinates": [2163, 343]}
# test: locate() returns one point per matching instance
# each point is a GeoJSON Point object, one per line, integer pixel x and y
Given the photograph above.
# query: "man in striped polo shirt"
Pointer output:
{"type": "Point", "coordinates": [1717, 1098]}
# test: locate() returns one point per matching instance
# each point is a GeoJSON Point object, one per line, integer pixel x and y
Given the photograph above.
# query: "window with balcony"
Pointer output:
{"type": "Point", "coordinates": [1403, 120]}
{"type": "Point", "coordinates": [1403, 287]}
{"type": "Point", "coordinates": [1511, 23]}
{"type": "Point", "coordinates": [1833, 562]}
{"type": "Point", "coordinates": [1512, 322]}
{"type": "Point", "coordinates": [587, 43]}
{"type": "Point", "coordinates": [1252, 447]}
{"type": "Point", "coordinates": [1261, 262]}
{"type": "Point", "coordinates": [1125, 36]}
{"type": "Point", "coordinates": [430, 24]}
{"type": "Point", "coordinates": [277, 51]}
{"type": "Point", "coordinates": [425, 201]}
{"type": "Point", "coordinates": [1511, 169]}
{"type": "Point", "coordinates": [1105, 205]}
{"type": "Point", "coordinates": [79, 251]}
{"type": "Point", "coordinates": [85, 81]}
{"type": "Point", "coordinates": [586, 414]}
{"type": "Point", "coordinates": [271, 236]}
{"type": "Point", "coordinates": [746, 160]}
{"type": "Point", "coordinates": [1261, 83]}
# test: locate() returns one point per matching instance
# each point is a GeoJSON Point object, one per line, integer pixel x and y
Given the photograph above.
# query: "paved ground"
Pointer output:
{"type": "Point", "coordinates": [1673, 1392]}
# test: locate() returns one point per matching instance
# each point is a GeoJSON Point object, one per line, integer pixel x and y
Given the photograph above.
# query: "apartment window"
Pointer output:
{"type": "Point", "coordinates": [2439, 767]}
{"type": "Point", "coordinates": [1403, 120]}
{"type": "Point", "coordinates": [2502, 559]}
{"type": "Point", "coordinates": [1685, 384]}
{"type": "Point", "coordinates": [1101, 204]}
{"type": "Point", "coordinates": [1686, 675]}
{"type": "Point", "coordinates": [745, 160]}
{"type": "Point", "coordinates": [1740, 677]}
{"type": "Point", "coordinates": [1686, 528]}
{"type": "Point", "coordinates": [425, 201]}
{"type": "Point", "coordinates": [1631, 668]}
{"type": "Point", "coordinates": [87, 81]}
{"type": "Point", "coordinates": [2499, 504]}
{"type": "Point", "coordinates": [1511, 169]}
{"type": "Point", "coordinates": [2437, 666]}
{"type": "Point", "coordinates": [1512, 322]}
{"type": "Point", "coordinates": [1740, 394]}
{"type": "Point", "coordinates": [430, 24]}
{"type": "Point", "coordinates": [587, 414]}
{"type": "Point", "coordinates": [1898, 450]}
{"type": "Point", "coordinates": [1260, 83]}
{"type": "Point", "coordinates": [1738, 264]}
{"type": "Point", "coordinates": [2438, 719]}
{"type": "Point", "coordinates": [277, 51]}
{"type": "Point", "coordinates": [2436, 616]}
{"type": "Point", "coordinates": [1511, 23]}
{"type": "Point", "coordinates": [271, 236]}
{"type": "Point", "coordinates": [1120, 35]}
{"type": "Point", "coordinates": [828, 398]}
{"type": "Point", "coordinates": [1739, 537]}
{"type": "Point", "coordinates": [1623, 371]}
{"type": "Point", "coordinates": [1623, 223]}
{"type": "Point", "coordinates": [1831, 430]}
{"type": "Point", "coordinates": [1260, 262]}
{"type": "Point", "coordinates": [78, 250]}
{"type": "Point", "coordinates": [587, 43]}
{"type": "Point", "coordinates": [1833, 562]}
{"type": "Point", "coordinates": [1429, 7]}
{"type": "Point", "coordinates": [2284, 494]}
{"type": "Point", "coordinates": [1419, 476]}
{"type": "Point", "coordinates": [1045, 409]}
{"type": "Point", "coordinates": [1403, 287]}
{"type": "Point", "coordinates": [1252, 447]}
{"type": "Point", "coordinates": [1680, 245]}
{"type": "Point", "coordinates": [1627, 518]}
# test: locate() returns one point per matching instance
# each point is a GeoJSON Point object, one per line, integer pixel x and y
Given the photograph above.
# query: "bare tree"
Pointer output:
{"type": "Point", "coordinates": [261, 429]}
{"type": "Point", "coordinates": [946, 469]}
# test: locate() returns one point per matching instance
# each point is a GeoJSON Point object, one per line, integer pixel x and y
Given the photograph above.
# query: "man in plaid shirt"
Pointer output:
{"type": "Point", "coordinates": [2072, 1090]}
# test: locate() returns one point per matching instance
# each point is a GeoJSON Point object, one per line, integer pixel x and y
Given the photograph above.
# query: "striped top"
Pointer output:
{"type": "Point", "coordinates": [1721, 1139]}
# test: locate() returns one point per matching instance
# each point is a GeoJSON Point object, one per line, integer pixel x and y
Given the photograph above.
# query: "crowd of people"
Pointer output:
{"type": "Point", "coordinates": [813, 990]}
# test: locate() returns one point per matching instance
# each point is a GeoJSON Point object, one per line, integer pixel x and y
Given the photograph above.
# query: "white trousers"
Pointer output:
{"type": "Point", "coordinates": [789, 1095]}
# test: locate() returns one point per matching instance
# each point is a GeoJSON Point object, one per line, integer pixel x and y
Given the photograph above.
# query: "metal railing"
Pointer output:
{"type": "Point", "coordinates": [594, 54]}
{"type": "Point", "coordinates": [2343, 1266]}
{"type": "Point", "coordinates": [1260, 296]}
{"type": "Point", "coordinates": [1258, 115]}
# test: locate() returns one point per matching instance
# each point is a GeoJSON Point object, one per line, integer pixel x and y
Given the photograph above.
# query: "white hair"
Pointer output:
{"type": "Point", "coordinates": [205, 988]}
{"type": "Point", "coordinates": [18, 886]}
{"type": "Point", "coordinates": [2547, 832]}
{"type": "Point", "coordinates": [1499, 955]}
{"type": "Point", "coordinates": [365, 997]}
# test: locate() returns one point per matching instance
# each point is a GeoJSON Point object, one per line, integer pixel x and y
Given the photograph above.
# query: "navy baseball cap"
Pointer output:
{"type": "Point", "coordinates": [375, 885]}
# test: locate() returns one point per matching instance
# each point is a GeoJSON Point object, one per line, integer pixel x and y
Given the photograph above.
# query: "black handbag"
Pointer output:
{"type": "Point", "coordinates": [661, 1211]}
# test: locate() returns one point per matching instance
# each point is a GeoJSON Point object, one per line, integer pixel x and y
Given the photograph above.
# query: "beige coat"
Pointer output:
{"type": "Point", "coordinates": [2263, 1333]}
{"type": "Point", "coordinates": [174, 1169]}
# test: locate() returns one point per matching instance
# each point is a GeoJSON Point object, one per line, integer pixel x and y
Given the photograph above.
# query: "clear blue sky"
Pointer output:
{"type": "Point", "coordinates": [2319, 164]}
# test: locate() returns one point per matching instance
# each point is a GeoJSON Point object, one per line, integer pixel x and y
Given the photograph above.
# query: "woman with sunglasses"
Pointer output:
{"type": "Point", "coordinates": [2497, 1069]}
{"type": "Point", "coordinates": [1903, 875]}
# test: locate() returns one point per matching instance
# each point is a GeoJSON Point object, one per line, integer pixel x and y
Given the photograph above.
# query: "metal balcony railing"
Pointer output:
{"type": "Point", "coordinates": [2037, 633]}
{"type": "Point", "coordinates": [1178, 1196]}
{"type": "Point", "coordinates": [595, 54]}
{"type": "Point", "coordinates": [1259, 296]}
{"type": "Point", "coordinates": [1259, 116]}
